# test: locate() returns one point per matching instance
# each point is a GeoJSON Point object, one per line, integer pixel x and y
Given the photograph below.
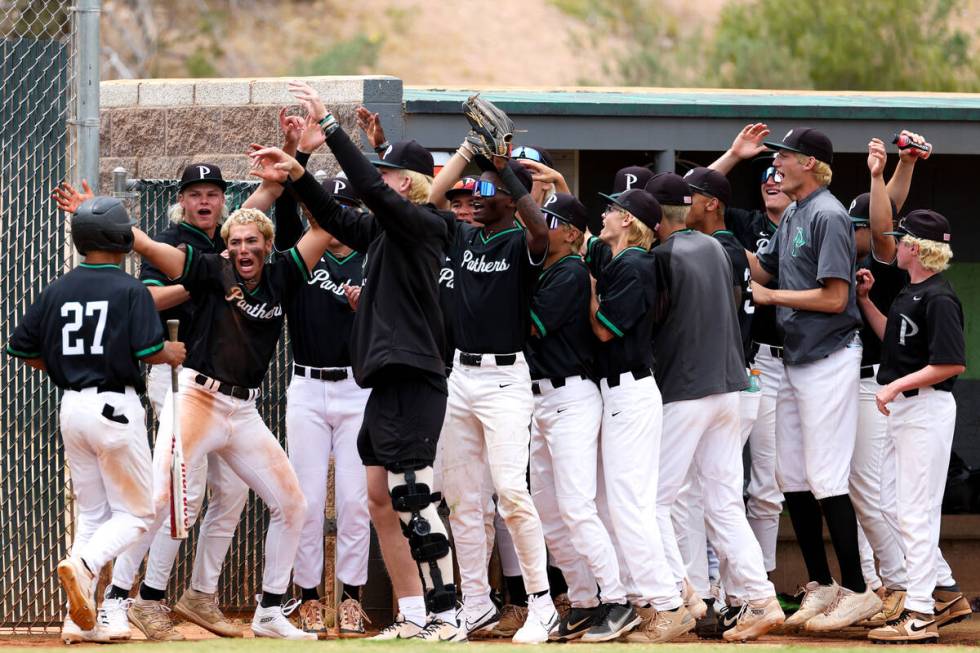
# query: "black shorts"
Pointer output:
{"type": "Point", "coordinates": [402, 421]}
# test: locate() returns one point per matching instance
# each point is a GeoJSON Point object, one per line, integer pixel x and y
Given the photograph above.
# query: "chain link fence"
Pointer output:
{"type": "Point", "coordinates": [37, 145]}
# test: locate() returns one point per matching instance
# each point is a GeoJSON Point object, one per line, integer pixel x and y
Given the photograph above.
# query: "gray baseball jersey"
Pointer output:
{"type": "Point", "coordinates": [697, 348]}
{"type": "Point", "coordinates": [814, 242]}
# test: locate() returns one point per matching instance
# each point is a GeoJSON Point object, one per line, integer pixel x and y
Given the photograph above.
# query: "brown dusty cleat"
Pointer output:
{"type": "Point", "coordinates": [311, 618]}
{"type": "Point", "coordinates": [909, 628]}
{"type": "Point", "coordinates": [77, 581]}
{"type": "Point", "coordinates": [693, 602]}
{"type": "Point", "coordinates": [755, 620]}
{"type": "Point", "coordinates": [153, 620]}
{"type": "Point", "coordinates": [663, 626]}
{"type": "Point", "coordinates": [950, 608]}
{"type": "Point", "coordinates": [893, 602]}
{"type": "Point", "coordinates": [562, 605]}
{"type": "Point", "coordinates": [512, 617]}
{"type": "Point", "coordinates": [351, 618]}
{"type": "Point", "coordinates": [202, 609]}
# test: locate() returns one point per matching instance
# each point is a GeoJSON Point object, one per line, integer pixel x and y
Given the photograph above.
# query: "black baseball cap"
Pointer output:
{"type": "Point", "coordinates": [860, 209]}
{"type": "Point", "coordinates": [712, 183]}
{"type": "Point", "coordinates": [631, 177]}
{"type": "Point", "coordinates": [669, 189]}
{"type": "Point", "coordinates": [807, 141]}
{"type": "Point", "coordinates": [340, 188]}
{"type": "Point", "coordinates": [464, 186]}
{"type": "Point", "coordinates": [534, 153]}
{"type": "Point", "coordinates": [407, 155]}
{"type": "Point", "coordinates": [568, 209]}
{"type": "Point", "coordinates": [643, 205]}
{"type": "Point", "coordinates": [201, 173]}
{"type": "Point", "coordinates": [924, 224]}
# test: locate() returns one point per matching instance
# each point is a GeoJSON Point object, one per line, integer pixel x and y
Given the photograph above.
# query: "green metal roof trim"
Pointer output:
{"type": "Point", "coordinates": [707, 104]}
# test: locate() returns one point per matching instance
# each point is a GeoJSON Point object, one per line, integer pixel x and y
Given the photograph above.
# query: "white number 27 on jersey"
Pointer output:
{"type": "Point", "coordinates": [72, 345]}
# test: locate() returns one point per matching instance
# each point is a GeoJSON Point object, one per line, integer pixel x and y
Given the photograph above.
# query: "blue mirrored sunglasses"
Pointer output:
{"type": "Point", "coordinates": [776, 175]}
{"type": "Point", "coordinates": [524, 152]}
{"type": "Point", "coordinates": [486, 188]}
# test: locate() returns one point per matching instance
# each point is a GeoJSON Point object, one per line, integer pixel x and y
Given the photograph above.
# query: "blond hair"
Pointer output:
{"type": "Point", "coordinates": [638, 234]}
{"type": "Point", "coordinates": [579, 237]}
{"type": "Point", "coordinates": [933, 256]}
{"type": "Point", "coordinates": [821, 170]}
{"type": "Point", "coordinates": [675, 214]}
{"type": "Point", "coordinates": [249, 216]}
{"type": "Point", "coordinates": [176, 213]}
{"type": "Point", "coordinates": [418, 192]}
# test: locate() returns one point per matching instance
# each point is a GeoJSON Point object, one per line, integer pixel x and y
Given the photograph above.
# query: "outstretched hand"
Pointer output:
{"type": "Point", "coordinates": [68, 198]}
{"type": "Point", "coordinates": [312, 136]}
{"type": "Point", "coordinates": [876, 157]}
{"type": "Point", "coordinates": [272, 164]}
{"type": "Point", "coordinates": [292, 129]}
{"type": "Point", "coordinates": [748, 143]}
{"type": "Point", "coordinates": [370, 123]}
{"type": "Point", "coordinates": [308, 96]}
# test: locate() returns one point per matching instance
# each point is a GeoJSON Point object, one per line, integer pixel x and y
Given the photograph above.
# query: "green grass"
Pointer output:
{"type": "Point", "coordinates": [363, 646]}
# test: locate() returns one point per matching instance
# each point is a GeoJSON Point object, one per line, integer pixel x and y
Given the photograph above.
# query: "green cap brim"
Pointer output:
{"type": "Point", "coordinates": [613, 198]}
{"type": "Point", "coordinates": [385, 164]}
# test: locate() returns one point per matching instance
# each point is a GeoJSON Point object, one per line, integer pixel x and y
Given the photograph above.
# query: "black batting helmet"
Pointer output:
{"type": "Point", "coordinates": [102, 224]}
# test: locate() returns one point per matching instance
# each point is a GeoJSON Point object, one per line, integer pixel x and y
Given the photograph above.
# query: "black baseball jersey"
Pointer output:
{"type": "Point", "coordinates": [627, 294]}
{"type": "Point", "coordinates": [447, 297]}
{"type": "Point", "coordinates": [564, 344]}
{"type": "Point", "coordinates": [889, 281]}
{"type": "Point", "coordinates": [181, 233]}
{"type": "Point", "coordinates": [235, 330]}
{"type": "Point", "coordinates": [492, 287]}
{"type": "Point", "coordinates": [743, 288]}
{"type": "Point", "coordinates": [597, 254]}
{"type": "Point", "coordinates": [90, 327]}
{"type": "Point", "coordinates": [925, 327]}
{"type": "Point", "coordinates": [754, 230]}
{"type": "Point", "coordinates": [320, 318]}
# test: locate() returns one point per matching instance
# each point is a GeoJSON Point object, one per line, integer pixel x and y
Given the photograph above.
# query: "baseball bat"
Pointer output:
{"type": "Point", "coordinates": [178, 470]}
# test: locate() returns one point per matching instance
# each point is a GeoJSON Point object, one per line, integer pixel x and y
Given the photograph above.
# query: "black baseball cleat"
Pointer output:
{"type": "Point", "coordinates": [617, 619]}
{"type": "Point", "coordinates": [576, 623]}
{"type": "Point", "coordinates": [728, 618]}
{"type": "Point", "coordinates": [707, 627]}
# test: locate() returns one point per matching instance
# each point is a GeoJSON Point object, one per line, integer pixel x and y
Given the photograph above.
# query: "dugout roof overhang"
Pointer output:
{"type": "Point", "coordinates": [696, 119]}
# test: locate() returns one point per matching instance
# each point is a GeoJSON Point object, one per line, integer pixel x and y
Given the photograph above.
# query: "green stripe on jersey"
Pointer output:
{"type": "Point", "coordinates": [300, 263]}
{"type": "Point", "coordinates": [537, 322]}
{"type": "Point", "coordinates": [187, 261]}
{"type": "Point", "coordinates": [152, 282]}
{"type": "Point", "coordinates": [22, 354]}
{"type": "Point", "coordinates": [609, 325]}
{"type": "Point", "coordinates": [149, 351]}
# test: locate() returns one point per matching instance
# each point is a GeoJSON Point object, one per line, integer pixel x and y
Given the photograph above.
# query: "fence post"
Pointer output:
{"type": "Point", "coordinates": [88, 90]}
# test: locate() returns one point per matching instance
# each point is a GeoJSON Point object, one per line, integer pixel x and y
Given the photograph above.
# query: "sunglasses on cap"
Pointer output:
{"type": "Point", "coordinates": [524, 152]}
{"type": "Point", "coordinates": [554, 221]}
{"type": "Point", "coordinates": [487, 188]}
{"type": "Point", "coordinates": [776, 175]}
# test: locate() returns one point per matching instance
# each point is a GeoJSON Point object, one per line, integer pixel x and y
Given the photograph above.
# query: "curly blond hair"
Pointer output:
{"type": "Point", "coordinates": [934, 256]}
{"type": "Point", "coordinates": [249, 216]}
{"type": "Point", "coordinates": [821, 170]}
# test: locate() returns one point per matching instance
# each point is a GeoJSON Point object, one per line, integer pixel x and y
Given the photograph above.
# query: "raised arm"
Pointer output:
{"type": "Point", "coordinates": [549, 179]}
{"type": "Point", "coordinates": [167, 258]}
{"type": "Point", "coordinates": [449, 174]}
{"type": "Point", "coordinates": [901, 181]}
{"type": "Point", "coordinates": [747, 144]}
{"type": "Point", "coordinates": [527, 209]}
{"type": "Point", "coordinates": [880, 210]}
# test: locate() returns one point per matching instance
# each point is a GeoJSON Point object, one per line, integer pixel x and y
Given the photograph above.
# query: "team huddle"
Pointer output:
{"type": "Point", "coordinates": [581, 401]}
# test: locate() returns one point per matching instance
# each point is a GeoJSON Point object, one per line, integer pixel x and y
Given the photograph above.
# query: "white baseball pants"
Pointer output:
{"type": "Point", "coordinates": [816, 423]}
{"type": "Point", "coordinates": [701, 443]}
{"type": "Point", "coordinates": [564, 470]}
{"type": "Point", "coordinates": [489, 413]}
{"type": "Point", "coordinates": [869, 458]}
{"type": "Point", "coordinates": [232, 428]}
{"type": "Point", "coordinates": [324, 418]}
{"type": "Point", "coordinates": [226, 501]}
{"type": "Point", "coordinates": [921, 429]}
{"type": "Point", "coordinates": [632, 425]}
{"type": "Point", "coordinates": [111, 473]}
{"type": "Point", "coordinates": [765, 501]}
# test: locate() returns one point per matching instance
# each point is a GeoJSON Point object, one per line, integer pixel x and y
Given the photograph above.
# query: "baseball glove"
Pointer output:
{"type": "Point", "coordinates": [491, 127]}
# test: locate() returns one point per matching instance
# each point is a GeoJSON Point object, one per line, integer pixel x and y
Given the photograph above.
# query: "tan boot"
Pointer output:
{"type": "Point", "coordinates": [951, 607]}
{"type": "Point", "coordinates": [352, 619]}
{"type": "Point", "coordinates": [910, 627]}
{"type": "Point", "coordinates": [892, 604]}
{"type": "Point", "coordinates": [512, 617]}
{"type": "Point", "coordinates": [202, 609]}
{"type": "Point", "coordinates": [153, 620]}
{"type": "Point", "coordinates": [562, 605]}
{"type": "Point", "coordinates": [311, 618]}
{"type": "Point", "coordinates": [663, 626]}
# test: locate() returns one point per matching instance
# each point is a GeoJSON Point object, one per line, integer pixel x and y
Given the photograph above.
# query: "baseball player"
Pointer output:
{"type": "Point", "coordinates": [565, 434]}
{"type": "Point", "coordinates": [240, 312]}
{"type": "Point", "coordinates": [88, 330]}
{"type": "Point", "coordinates": [701, 373]}
{"type": "Point", "coordinates": [923, 350]}
{"type": "Point", "coordinates": [396, 350]}
{"type": "Point", "coordinates": [194, 220]}
{"type": "Point", "coordinates": [812, 257]}
{"type": "Point", "coordinates": [622, 312]}
{"type": "Point", "coordinates": [324, 408]}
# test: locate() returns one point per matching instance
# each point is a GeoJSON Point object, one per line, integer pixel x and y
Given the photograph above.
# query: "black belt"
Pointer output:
{"type": "Point", "coordinates": [321, 373]}
{"type": "Point", "coordinates": [867, 372]}
{"type": "Point", "coordinates": [236, 391]}
{"type": "Point", "coordinates": [556, 382]}
{"type": "Point", "coordinates": [475, 360]}
{"type": "Point", "coordinates": [911, 393]}
{"type": "Point", "coordinates": [777, 352]}
{"type": "Point", "coordinates": [641, 373]}
{"type": "Point", "coordinates": [99, 388]}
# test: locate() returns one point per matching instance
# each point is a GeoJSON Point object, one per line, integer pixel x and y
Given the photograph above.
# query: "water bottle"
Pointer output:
{"type": "Point", "coordinates": [755, 384]}
{"type": "Point", "coordinates": [904, 142]}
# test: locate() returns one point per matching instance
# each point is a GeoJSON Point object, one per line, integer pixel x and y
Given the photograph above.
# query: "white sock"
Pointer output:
{"type": "Point", "coordinates": [413, 609]}
{"type": "Point", "coordinates": [449, 616]}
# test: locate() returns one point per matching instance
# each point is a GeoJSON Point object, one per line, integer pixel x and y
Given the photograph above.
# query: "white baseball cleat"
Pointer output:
{"type": "Point", "coordinates": [816, 598]}
{"type": "Point", "coordinates": [272, 622]}
{"type": "Point", "coordinates": [402, 628]}
{"type": "Point", "coordinates": [77, 582]}
{"type": "Point", "coordinates": [438, 630]}
{"type": "Point", "coordinates": [847, 608]}
{"type": "Point", "coordinates": [479, 614]}
{"type": "Point", "coordinates": [112, 617]}
{"type": "Point", "coordinates": [542, 618]}
{"type": "Point", "coordinates": [72, 634]}
{"type": "Point", "coordinates": [755, 619]}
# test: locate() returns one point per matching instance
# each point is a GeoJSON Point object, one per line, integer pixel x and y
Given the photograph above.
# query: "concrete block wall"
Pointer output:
{"type": "Point", "coordinates": [154, 128]}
